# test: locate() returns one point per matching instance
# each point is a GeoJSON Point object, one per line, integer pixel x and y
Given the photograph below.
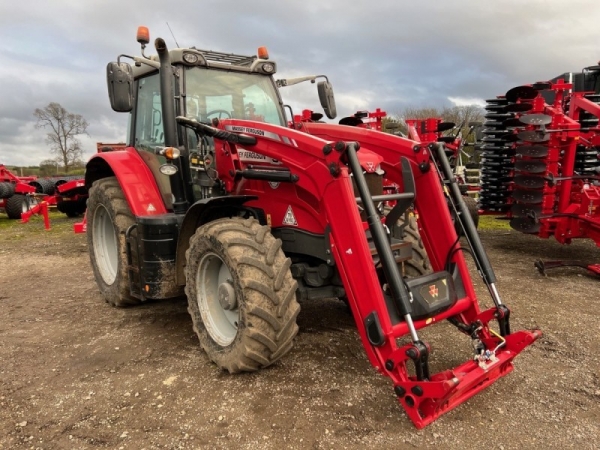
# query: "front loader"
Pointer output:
{"type": "Point", "coordinates": [216, 197]}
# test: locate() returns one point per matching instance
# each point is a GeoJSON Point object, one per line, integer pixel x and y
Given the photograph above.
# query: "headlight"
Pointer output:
{"type": "Point", "coordinates": [168, 169]}
{"type": "Point", "coordinates": [190, 58]}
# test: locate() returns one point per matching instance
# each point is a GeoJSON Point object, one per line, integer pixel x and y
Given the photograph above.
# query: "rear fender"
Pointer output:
{"type": "Point", "coordinates": [200, 213]}
{"type": "Point", "coordinates": [134, 176]}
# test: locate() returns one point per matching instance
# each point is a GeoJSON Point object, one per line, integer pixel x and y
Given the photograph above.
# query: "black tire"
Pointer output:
{"type": "Point", "coordinates": [239, 262]}
{"type": "Point", "coordinates": [409, 232]}
{"type": "Point", "coordinates": [471, 204]}
{"type": "Point", "coordinates": [108, 218]}
{"type": "Point", "coordinates": [17, 205]}
{"type": "Point", "coordinates": [6, 190]}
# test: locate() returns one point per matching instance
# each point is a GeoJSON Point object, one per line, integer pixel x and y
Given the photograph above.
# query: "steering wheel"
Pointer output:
{"type": "Point", "coordinates": [220, 113]}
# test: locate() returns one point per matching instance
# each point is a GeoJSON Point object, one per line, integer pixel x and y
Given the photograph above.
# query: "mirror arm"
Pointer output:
{"type": "Point", "coordinates": [138, 60]}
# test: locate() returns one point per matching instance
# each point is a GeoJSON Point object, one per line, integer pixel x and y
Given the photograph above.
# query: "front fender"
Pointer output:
{"type": "Point", "coordinates": [134, 176]}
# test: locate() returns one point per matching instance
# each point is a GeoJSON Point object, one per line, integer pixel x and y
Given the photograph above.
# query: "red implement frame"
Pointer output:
{"type": "Point", "coordinates": [324, 199]}
{"type": "Point", "coordinates": [565, 201]}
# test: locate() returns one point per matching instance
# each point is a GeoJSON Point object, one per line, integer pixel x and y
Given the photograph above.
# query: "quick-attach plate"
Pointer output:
{"type": "Point", "coordinates": [530, 166]}
{"type": "Point", "coordinates": [521, 93]}
{"type": "Point", "coordinates": [536, 119]}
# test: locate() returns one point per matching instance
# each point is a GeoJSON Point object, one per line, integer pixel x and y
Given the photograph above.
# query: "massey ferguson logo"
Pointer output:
{"type": "Point", "coordinates": [370, 167]}
{"type": "Point", "coordinates": [433, 291]}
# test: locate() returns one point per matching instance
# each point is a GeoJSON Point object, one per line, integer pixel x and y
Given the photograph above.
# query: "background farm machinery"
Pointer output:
{"type": "Point", "coordinates": [540, 165]}
{"type": "Point", "coordinates": [21, 197]}
{"type": "Point", "coordinates": [425, 132]}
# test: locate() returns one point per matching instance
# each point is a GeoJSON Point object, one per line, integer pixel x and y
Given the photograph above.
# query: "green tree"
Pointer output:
{"type": "Point", "coordinates": [64, 127]}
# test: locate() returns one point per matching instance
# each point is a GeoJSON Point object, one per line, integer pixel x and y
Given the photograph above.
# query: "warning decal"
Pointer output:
{"type": "Point", "coordinates": [289, 218]}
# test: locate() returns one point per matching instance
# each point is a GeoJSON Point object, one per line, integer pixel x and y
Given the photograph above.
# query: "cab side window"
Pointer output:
{"type": "Point", "coordinates": [149, 128]}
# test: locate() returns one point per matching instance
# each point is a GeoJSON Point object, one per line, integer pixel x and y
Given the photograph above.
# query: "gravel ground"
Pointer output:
{"type": "Point", "coordinates": [76, 373]}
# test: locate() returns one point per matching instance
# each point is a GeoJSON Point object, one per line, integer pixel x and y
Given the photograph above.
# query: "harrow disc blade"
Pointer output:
{"type": "Point", "coordinates": [520, 210]}
{"type": "Point", "coordinates": [529, 182]}
{"type": "Point", "coordinates": [518, 107]}
{"type": "Point", "coordinates": [499, 115]}
{"type": "Point", "coordinates": [446, 139]}
{"type": "Point", "coordinates": [521, 93]}
{"type": "Point", "coordinates": [542, 85]}
{"type": "Point", "coordinates": [445, 126]}
{"type": "Point", "coordinates": [494, 156]}
{"type": "Point", "coordinates": [532, 151]}
{"type": "Point", "coordinates": [528, 197]}
{"type": "Point", "coordinates": [525, 225]}
{"type": "Point", "coordinates": [497, 101]}
{"type": "Point", "coordinates": [512, 123]}
{"type": "Point", "coordinates": [495, 108]}
{"type": "Point", "coordinates": [510, 137]}
{"type": "Point", "coordinates": [530, 166]}
{"type": "Point", "coordinates": [534, 136]}
{"type": "Point", "coordinates": [351, 121]}
{"type": "Point", "coordinates": [494, 148]}
{"type": "Point", "coordinates": [494, 124]}
{"type": "Point", "coordinates": [536, 119]}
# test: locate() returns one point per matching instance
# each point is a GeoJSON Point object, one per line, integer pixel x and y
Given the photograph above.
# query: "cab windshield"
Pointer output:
{"type": "Point", "coordinates": [223, 94]}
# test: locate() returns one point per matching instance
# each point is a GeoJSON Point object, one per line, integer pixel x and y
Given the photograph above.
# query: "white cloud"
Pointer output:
{"type": "Point", "coordinates": [467, 101]}
{"type": "Point", "coordinates": [390, 55]}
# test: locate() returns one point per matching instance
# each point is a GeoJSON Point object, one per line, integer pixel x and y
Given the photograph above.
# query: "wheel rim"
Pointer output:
{"type": "Point", "coordinates": [24, 205]}
{"type": "Point", "coordinates": [217, 300]}
{"type": "Point", "coordinates": [105, 245]}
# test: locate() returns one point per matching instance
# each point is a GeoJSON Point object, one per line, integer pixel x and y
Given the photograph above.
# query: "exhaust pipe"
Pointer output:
{"type": "Point", "coordinates": [180, 204]}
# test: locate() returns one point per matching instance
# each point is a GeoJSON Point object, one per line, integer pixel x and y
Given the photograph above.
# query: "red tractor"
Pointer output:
{"type": "Point", "coordinates": [216, 197]}
{"type": "Point", "coordinates": [541, 159]}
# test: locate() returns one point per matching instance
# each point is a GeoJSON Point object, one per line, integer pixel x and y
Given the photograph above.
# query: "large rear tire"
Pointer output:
{"type": "Point", "coordinates": [108, 218]}
{"type": "Point", "coordinates": [17, 205]}
{"type": "Point", "coordinates": [241, 294]}
{"type": "Point", "coordinates": [407, 230]}
{"type": "Point", "coordinates": [471, 204]}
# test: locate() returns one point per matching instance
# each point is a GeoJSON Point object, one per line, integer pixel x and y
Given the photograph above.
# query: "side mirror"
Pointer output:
{"type": "Point", "coordinates": [119, 77]}
{"type": "Point", "coordinates": [327, 99]}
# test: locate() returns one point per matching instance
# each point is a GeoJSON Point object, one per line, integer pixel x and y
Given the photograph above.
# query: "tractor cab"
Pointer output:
{"type": "Point", "coordinates": [207, 86]}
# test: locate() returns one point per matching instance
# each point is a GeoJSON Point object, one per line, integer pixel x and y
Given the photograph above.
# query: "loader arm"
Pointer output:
{"type": "Point", "coordinates": [319, 165]}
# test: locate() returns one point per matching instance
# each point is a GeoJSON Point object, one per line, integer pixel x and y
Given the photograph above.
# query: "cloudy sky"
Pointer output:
{"type": "Point", "coordinates": [390, 54]}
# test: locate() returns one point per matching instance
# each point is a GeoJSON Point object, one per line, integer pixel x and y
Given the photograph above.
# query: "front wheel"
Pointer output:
{"type": "Point", "coordinates": [241, 294]}
{"type": "Point", "coordinates": [108, 218]}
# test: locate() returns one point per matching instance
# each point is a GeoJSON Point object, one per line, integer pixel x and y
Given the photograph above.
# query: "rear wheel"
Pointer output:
{"type": "Point", "coordinates": [17, 205]}
{"type": "Point", "coordinates": [407, 230]}
{"type": "Point", "coordinates": [471, 204]}
{"type": "Point", "coordinates": [108, 219]}
{"type": "Point", "coordinates": [241, 294]}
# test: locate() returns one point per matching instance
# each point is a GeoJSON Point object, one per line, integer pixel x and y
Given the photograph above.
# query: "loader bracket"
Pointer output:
{"type": "Point", "coordinates": [374, 331]}
{"type": "Point", "coordinates": [418, 352]}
